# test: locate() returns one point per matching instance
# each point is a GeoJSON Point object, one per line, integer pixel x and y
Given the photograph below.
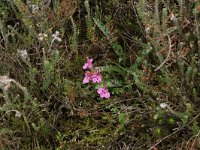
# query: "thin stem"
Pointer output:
{"type": "Point", "coordinates": [166, 59]}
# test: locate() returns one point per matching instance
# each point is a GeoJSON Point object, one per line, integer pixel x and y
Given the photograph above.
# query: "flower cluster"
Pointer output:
{"type": "Point", "coordinates": [94, 76]}
{"type": "Point", "coordinates": [88, 64]}
{"type": "Point", "coordinates": [42, 36]}
{"type": "Point", "coordinates": [103, 92]}
{"type": "Point", "coordinates": [56, 36]}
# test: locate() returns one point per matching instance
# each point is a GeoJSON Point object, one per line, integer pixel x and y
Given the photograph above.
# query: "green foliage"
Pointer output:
{"type": "Point", "coordinates": [195, 128]}
{"type": "Point", "coordinates": [60, 137]}
{"type": "Point", "coordinates": [122, 118]}
{"type": "Point", "coordinates": [171, 121]}
{"type": "Point", "coordinates": [183, 116]}
{"type": "Point", "coordinates": [49, 69]}
{"type": "Point", "coordinates": [115, 45]}
{"type": "Point", "coordinates": [103, 28]}
{"type": "Point", "coordinates": [89, 22]}
{"type": "Point", "coordinates": [33, 72]}
{"type": "Point", "coordinates": [5, 131]}
{"type": "Point", "coordinates": [74, 40]}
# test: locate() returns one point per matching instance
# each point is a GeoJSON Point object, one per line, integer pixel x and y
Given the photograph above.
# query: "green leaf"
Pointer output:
{"type": "Point", "coordinates": [195, 128]}
{"type": "Point", "coordinates": [122, 118]}
{"type": "Point", "coordinates": [4, 131]}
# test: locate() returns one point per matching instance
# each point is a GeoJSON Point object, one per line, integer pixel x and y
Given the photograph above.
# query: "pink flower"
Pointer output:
{"type": "Point", "coordinates": [88, 64]}
{"type": "Point", "coordinates": [87, 78]}
{"type": "Point", "coordinates": [103, 92]}
{"type": "Point", "coordinates": [96, 78]}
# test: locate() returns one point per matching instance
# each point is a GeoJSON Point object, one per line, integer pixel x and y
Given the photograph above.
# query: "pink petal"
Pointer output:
{"type": "Point", "coordinates": [89, 60]}
{"type": "Point", "coordinates": [96, 78]}
{"type": "Point", "coordinates": [99, 80]}
{"type": "Point", "coordinates": [85, 66]}
{"type": "Point", "coordinates": [107, 95]}
{"type": "Point", "coordinates": [99, 91]}
{"type": "Point", "coordinates": [93, 80]}
{"type": "Point", "coordinates": [86, 80]}
{"type": "Point", "coordinates": [102, 95]}
{"type": "Point", "coordinates": [90, 66]}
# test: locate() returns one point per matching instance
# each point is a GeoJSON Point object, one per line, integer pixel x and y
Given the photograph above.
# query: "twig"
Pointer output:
{"type": "Point", "coordinates": [139, 21]}
{"type": "Point", "coordinates": [152, 147]}
{"type": "Point", "coordinates": [195, 138]}
{"type": "Point", "coordinates": [166, 59]}
{"type": "Point", "coordinates": [10, 33]}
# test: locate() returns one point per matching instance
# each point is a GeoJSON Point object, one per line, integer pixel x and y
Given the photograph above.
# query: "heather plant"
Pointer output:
{"type": "Point", "coordinates": [99, 74]}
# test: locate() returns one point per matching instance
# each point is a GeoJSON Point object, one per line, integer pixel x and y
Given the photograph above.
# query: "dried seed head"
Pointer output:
{"type": "Point", "coordinates": [17, 114]}
{"type": "Point", "coordinates": [23, 55]}
{"type": "Point", "coordinates": [5, 82]}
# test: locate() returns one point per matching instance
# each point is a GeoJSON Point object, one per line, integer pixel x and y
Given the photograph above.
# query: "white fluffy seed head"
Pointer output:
{"type": "Point", "coordinates": [163, 105]}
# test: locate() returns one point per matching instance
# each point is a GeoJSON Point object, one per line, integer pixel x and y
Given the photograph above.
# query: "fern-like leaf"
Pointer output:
{"type": "Point", "coordinates": [115, 45]}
